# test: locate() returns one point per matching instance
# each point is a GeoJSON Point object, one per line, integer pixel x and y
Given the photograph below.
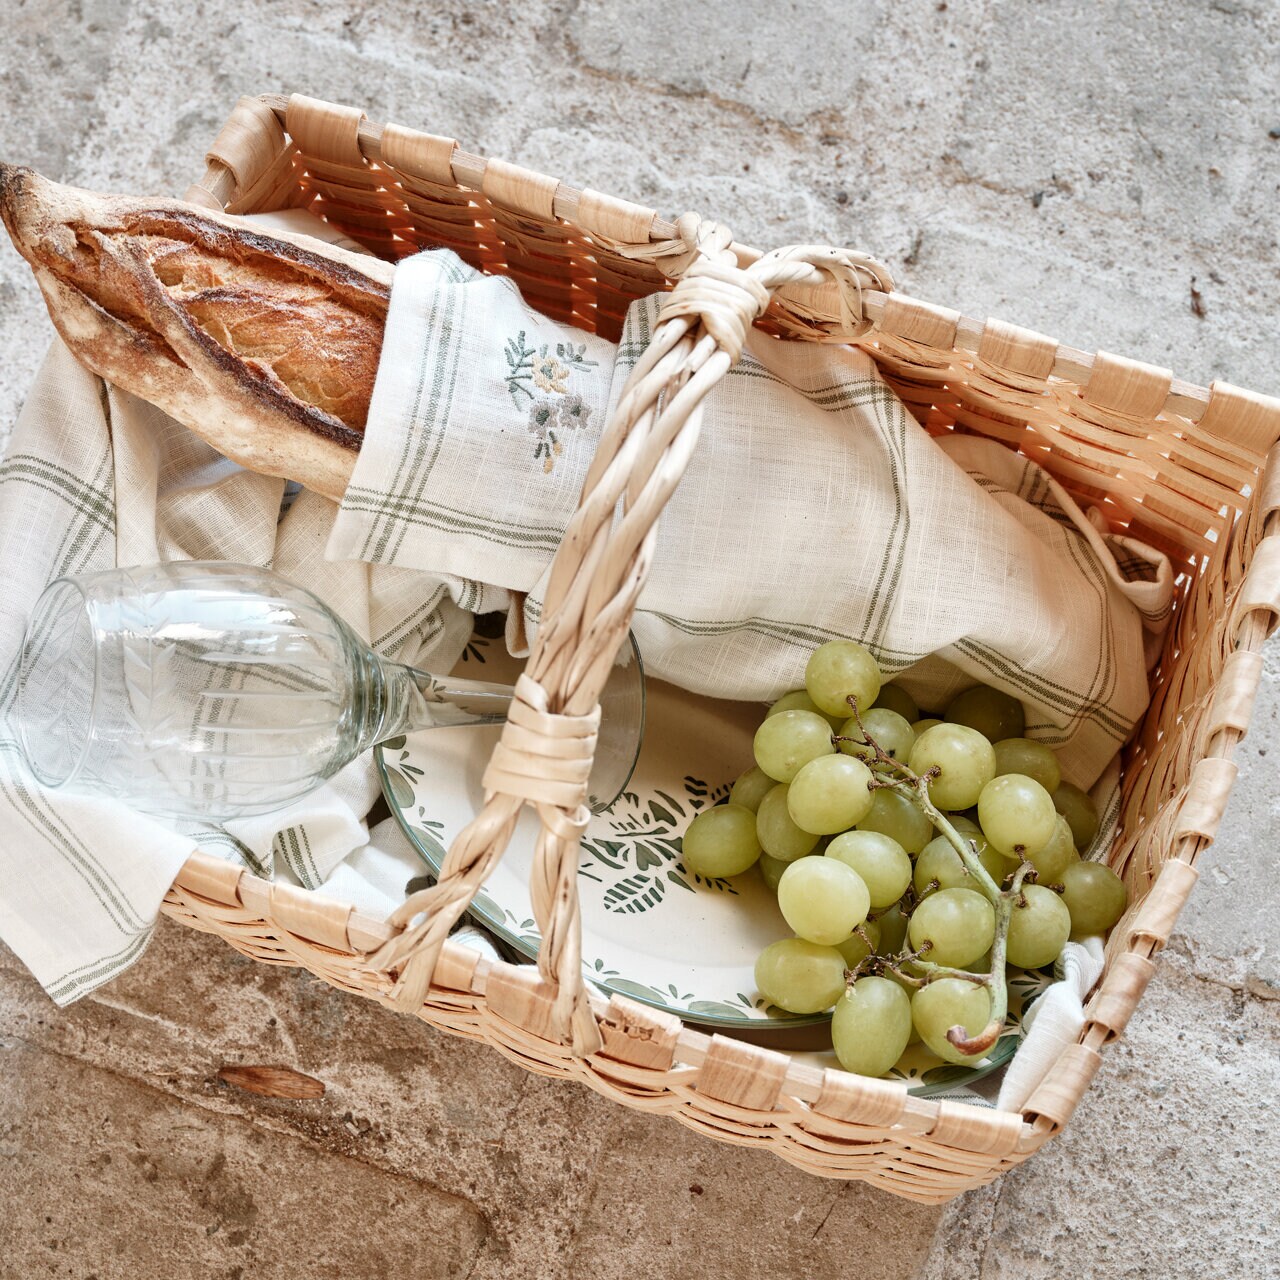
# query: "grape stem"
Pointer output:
{"type": "Point", "coordinates": [946, 971]}
{"type": "Point", "coordinates": [893, 774]}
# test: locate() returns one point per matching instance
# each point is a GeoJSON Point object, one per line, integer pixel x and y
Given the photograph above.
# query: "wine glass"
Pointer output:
{"type": "Point", "coordinates": [211, 690]}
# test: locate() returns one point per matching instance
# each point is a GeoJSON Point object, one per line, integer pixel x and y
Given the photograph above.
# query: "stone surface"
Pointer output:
{"type": "Point", "coordinates": [1179, 1124]}
{"type": "Point", "coordinates": [141, 1187]}
{"type": "Point", "coordinates": [1072, 168]}
{"type": "Point", "coordinates": [516, 1174]}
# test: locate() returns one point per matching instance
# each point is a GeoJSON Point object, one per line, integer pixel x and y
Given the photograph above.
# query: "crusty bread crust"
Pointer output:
{"type": "Point", "coordinates": [265, 345]}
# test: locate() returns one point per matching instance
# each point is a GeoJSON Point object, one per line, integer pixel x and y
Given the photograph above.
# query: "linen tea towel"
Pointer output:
{"type": "Point", "coordinates": [814, 507]}
{"type": "Point", "coordinates": [92, 478]}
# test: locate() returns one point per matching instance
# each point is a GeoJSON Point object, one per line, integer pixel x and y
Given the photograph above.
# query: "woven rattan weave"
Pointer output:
{"type": "Point", "coordinates": [1195, 472]}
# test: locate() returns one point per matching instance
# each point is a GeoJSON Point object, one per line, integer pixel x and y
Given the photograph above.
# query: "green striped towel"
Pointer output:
{"type": "Point", "coordinates": [813, 507]}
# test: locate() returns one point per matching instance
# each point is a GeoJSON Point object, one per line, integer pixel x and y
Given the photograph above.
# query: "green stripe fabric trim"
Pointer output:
{"type": "Point", "coordinates": [316, 878]}
{"type": "Point", "coordinates": [395, 504]}
{"type": "Point", "coordinates": [215, 836]}
{"type": "Point", "coordinates": [86, 498]}
{"type": "Point", "coordinates": [385, 535]}
{"type": "Point", "coordinates": [293, 846]}
{"type": "Point", "coordinates": [422, 619]}
{"type": "Point", "coordinates": [78, 856]}
{"type": "Point", "coordinates": [808, 637]}
{"type": "Point", "coordinates": [895, 550]}
{"type": "Point", "coordinates": [87, 977]}
{"type": "Point", "coordinates": [441, 407]}
{"type": "Point", "coordinates": [404, 510]}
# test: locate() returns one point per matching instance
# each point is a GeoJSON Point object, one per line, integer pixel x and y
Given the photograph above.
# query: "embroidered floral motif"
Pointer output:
{"type": "Point", "coordinates": [550, 374]}
{"type": "Point", "coordinates": [543, 416]}
{"type": "Point", "coordinates": [537, 367]}
{"type": "Point", "coordinates": [546, 417]}
{"type": "Point", "coordinates": [574, 412]}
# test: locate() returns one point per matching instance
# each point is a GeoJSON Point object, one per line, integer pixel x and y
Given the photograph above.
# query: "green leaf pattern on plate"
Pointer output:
{"type": "Point", "coordinates": [642, 857]}
{"type": "Point", "coordinates": [716, 1008]}
{"type": "Point", "coordinates": [401, 790]}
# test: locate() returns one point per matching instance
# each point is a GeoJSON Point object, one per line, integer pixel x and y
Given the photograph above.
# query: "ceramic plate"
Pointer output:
{"type": "Point", "coordinates": [651, 929]}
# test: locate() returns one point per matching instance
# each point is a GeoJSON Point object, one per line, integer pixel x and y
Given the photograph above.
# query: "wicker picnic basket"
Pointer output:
{"type": "Point", "coordinates": [1191, 471]}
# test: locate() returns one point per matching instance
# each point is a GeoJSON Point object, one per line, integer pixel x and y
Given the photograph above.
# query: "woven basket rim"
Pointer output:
{"type": "Point", "coordinates": [1069, 364]}
{"type": "Point", "coordinates": [945, 1146]}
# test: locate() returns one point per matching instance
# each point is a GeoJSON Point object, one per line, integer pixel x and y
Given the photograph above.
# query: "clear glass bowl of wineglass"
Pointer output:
{"type": "Point", "coordinates": [211, 690]}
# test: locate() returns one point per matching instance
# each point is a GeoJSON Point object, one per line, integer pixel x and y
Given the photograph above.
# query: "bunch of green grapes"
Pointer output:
{"type": "Point", "coordinates": [912, 856]}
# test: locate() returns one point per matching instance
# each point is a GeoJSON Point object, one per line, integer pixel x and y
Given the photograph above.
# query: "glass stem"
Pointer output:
{"type": "Point", "coordinates": [397, 699]}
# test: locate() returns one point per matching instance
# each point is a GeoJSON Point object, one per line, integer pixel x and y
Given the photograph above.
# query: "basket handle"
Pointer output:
{"type": "Point", "coordinates": [599, 569]}
{"type": "Point", "coordinates": [545, 753]}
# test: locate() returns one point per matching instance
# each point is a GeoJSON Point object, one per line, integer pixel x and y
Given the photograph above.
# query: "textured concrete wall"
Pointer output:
{"type": "Point", "coordinates": [1076, 167]}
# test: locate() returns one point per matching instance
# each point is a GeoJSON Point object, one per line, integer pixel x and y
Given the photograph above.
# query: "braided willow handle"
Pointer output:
{"type": "Point", "coordinates": [547, 745]}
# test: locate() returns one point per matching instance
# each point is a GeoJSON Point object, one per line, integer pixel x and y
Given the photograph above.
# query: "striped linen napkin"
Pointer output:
{"type": "Point", "coordinates": [95, 478]}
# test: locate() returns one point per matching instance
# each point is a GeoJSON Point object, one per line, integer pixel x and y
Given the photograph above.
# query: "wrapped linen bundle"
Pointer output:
{"type": "Point", "coordinates": [814, 507]}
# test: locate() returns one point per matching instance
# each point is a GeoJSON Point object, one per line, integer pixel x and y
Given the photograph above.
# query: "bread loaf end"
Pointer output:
{"type": "Point", "coordinates": [267, 347]}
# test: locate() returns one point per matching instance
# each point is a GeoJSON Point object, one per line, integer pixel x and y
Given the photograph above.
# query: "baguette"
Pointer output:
{"type": "Point", "coordinates": [265, 345]}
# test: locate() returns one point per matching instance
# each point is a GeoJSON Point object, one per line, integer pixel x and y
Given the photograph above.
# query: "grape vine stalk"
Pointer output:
{"type": "Point", "coordinates": [912, 967]}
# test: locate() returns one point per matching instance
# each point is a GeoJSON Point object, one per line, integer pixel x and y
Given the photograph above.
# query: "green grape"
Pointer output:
{"type": "Point", "coordinates": [1032, 759]}
{"type": "Point", "coordinates": [964, 758]}
{"type": "Point", "coordinates": [880, 860]}
{"type": "Point", "coordinates": [1051, 861]}
{"type": "Point", "coordinates": [940, 862]}
{"type": "Point", "coordinates": [751, 788]}
{"type": "Point", "coordinates": [799, 700]}
{"type": "Point", "coordinates": [888, 729]}
{"type": "Point", "coordinates": [900, 818]}
{"type": "Point", "coordinates": [822, 899]}
{"type": "Point", "coordinates": [830, 794]}
{"type": "Point", "coordinates": [854, 948]}
{"type": "Point", "coordinates": [1017, 814]}
{"type": "Point", "coordinates": [893, 932]}
{"type": "Point", "coordinates": [894, 697]}
{"type": "Point", "coordinates": [839, 670]}
{"type": "Point", "coordinates": [800, 976]}
{"type": "Point", "coordinates": [993, 714]}
{"type": "Point", "coordinates": [771, 870]}
{"type": "Point", "coordinates": [721, 841]}
{"type": "Point", "coordinates": [785, 743]}
{"type": "Point", "coordinates": [959, 925]}
{"type": "Point", "coordinates": [947, 1003]}
{"type": "Point", "coordinates": [1080, 812]}
{"type": "Point", "coordinates": [778, 835]}
{"type": "Point", "coordinates": [871, 1026]}
{"type": "Point", "coordinates": [1095, 897]}
{"type": "Point", "coordinates": [1038, 928]}
{"type": "Point", "coordinates": [927, 723]}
